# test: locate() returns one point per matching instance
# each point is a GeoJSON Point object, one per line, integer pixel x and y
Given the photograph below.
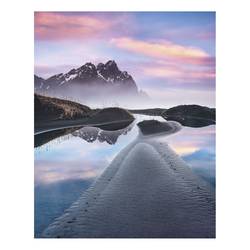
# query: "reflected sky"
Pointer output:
{"type": "Point", "coordinates": [66, 166]}
{"type": "Point", "coordinates": [197, 147]}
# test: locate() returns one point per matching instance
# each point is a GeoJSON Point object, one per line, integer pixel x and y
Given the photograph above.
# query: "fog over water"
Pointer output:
{"type": "Point", "coordinates": [102, 100]}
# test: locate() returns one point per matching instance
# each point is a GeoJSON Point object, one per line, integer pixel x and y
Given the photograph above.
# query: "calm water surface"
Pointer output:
{"type": "Point", "coordinates": [67, 165]}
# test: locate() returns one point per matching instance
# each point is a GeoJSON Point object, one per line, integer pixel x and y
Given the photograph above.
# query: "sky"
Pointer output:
{"type": "Point", "coordinates": [171, 55]}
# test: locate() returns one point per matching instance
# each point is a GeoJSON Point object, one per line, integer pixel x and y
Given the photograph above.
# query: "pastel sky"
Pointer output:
{"type": "Point", "coordinates": [171, 55]}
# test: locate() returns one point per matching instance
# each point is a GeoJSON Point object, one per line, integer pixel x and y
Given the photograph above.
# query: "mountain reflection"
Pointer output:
{"type": "Point", "coordinates": [91, 134]}
{"type": "Point", "coordinates": [106, 133]}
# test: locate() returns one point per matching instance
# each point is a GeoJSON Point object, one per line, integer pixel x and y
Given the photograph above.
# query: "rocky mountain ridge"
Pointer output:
{"type": "Point", "coordinates": [103, 75]}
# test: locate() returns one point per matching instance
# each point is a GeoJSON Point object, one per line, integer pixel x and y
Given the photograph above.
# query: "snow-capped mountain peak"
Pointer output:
{"type": "Point", "coordinates": [89, 74]}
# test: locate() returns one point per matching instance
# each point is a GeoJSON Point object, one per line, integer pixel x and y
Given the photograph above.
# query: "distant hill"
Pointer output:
{"type": "Point", "coordinates": [191, 115]}
{"type": "Point", "coordinates": [186, 115]}
{"type": "Point", "coordinates": [47, 109]}
{"type": "Point", "coordinates": [111, 114]}
{"type": "Point", "coordinates": [191, 110]}
{"type": "Point", "coordinates": [55, 113]}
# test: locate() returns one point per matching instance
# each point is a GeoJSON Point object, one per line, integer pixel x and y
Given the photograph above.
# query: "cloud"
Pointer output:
{"type": "Point", "coordinates": [179, 74]}
{"type": "Point", "coordinates": [163, 50]}
{"type": "Point", "coordinates": [170, 62]}
{"type": "Point", "coordinates": [159, 73]}
{"type": "Point", "coordinates": [60, 26]}
{"type": "Point", "coordinates": [55, 171]}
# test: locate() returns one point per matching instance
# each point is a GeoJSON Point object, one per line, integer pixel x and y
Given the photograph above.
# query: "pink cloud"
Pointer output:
{"type": "Point", "coordinates": [58, 26]}
{"type": "Point", "coordinates": [171, 61]}
{"type": "Point", "coordinates": [174, 72]}
{"type": "Point", "coordinates": [163, 50]}
{"type": "Point", "coordinates": [180, 74]}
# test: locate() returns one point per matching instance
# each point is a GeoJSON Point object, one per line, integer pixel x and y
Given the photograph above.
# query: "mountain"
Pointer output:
{"type": "Point", "coordinates": [38, 82]}
{"type": "Point", "coordinates": [89, 79]}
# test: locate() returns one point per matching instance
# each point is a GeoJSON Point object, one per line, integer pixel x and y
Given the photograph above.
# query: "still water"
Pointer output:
{"type": "Point", "coordinates": [68, 164]}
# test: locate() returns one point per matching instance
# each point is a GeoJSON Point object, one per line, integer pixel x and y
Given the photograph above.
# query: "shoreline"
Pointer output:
{"type": "Point", "coordinates": [62, 124]}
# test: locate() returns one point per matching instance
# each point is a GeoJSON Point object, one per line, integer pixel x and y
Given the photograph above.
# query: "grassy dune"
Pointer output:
{"type": "Point", "coordinates": [52, 113]}
{"type": "Point", "coordinates": [48, 108]}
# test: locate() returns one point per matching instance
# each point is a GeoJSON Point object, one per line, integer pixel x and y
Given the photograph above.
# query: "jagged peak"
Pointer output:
{"type": "Point", "coordinates": [110, 62]}
{"type": "Point", "coordinates": [87, 65]}
{"type": "Point", "coordinates": [102, 72]}
{"type": "Point", "coordinates": [111, 67]}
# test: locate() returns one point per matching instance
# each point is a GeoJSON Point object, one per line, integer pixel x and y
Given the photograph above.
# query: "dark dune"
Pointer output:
{"type": "Point", "coordinates": [186, 115]}
{"type": "Point", "coordinates": [113, 114]}
{"type": "Point", "coordinates": [149, 127]}
{"type": "Point", "coordinates": [54, 113]}
{"type": "Point", "coordinates": [48, 108]}
{"type": "Point", "coordinates": [196, 111]}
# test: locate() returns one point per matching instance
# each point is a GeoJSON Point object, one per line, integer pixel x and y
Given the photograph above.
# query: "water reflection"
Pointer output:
{"type": "Point", "coordinates": [76, 157]}
{"type": "Point", "coordinates": [43, 138]}
{"type": "Point", "coordinates": [104, 133]}
{"type": "Point", "coordinates": [91, 134]}
{"type": "Point", "coordinates": [197, 147]}
{"type": "Point", "coordinates": [51, 200]}
{"type": "Point", "coordinates": [200, 158]}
